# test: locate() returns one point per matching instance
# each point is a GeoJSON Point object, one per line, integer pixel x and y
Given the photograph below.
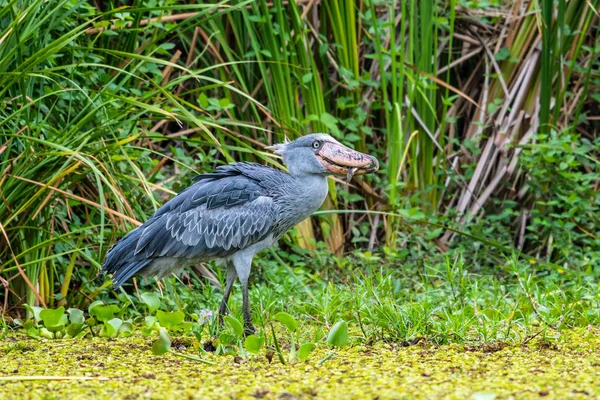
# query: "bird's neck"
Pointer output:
{"type": "Point", "coordinates": [312, 189]}
{"type": "Point", "coordinates": [304, 195]}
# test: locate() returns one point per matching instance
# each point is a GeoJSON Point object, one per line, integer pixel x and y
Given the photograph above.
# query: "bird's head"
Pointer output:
{"type": "Point", "coordinates": [320, 154]}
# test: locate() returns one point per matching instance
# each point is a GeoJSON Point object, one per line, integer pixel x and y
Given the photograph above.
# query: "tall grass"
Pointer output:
{"type": "Point", "coordinates": [71, 125]}
{"type": "Point", "coordinates": [105, 113]}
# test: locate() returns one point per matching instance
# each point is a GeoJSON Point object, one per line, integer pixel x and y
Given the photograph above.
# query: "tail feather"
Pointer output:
{"type": "Point", "coordinates": [121, 260]}
{"type": "Point", "coordinates": [127, 271]}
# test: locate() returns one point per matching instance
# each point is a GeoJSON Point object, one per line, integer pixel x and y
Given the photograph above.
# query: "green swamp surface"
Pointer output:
{"type": "Point", "coordinates": [568, 367]}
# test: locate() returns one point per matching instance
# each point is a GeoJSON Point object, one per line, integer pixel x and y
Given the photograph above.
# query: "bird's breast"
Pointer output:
{"type": "Point", "coordinates": [300, 199]}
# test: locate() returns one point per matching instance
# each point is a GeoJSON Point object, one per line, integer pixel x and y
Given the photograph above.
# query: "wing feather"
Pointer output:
{"type": "Point", "coordinates": [221, 213]}
{"type": "Point", "coordinates": [211, 232]}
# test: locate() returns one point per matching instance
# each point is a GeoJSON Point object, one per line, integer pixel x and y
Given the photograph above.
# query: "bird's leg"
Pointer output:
{"type": "Point", "coordinates": [242, 264]}
{"type": "Point", "coordinates": [231, 275]}
{"type": "Point", "coordinates": [248, 327]}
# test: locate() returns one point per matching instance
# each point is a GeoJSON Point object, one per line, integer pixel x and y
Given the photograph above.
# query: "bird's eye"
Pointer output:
{"type": "Point", "coordinates": [316, 144]}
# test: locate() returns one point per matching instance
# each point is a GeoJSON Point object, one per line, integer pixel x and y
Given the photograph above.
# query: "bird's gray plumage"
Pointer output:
{"type": "Point", "coordinates": [229, 215]}
{"type": "Point", "coordinates": [223, 212]}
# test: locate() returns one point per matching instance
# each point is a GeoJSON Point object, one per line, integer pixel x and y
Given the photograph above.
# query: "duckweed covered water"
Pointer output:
{"type": "Point", "coordinates": [125, 368]}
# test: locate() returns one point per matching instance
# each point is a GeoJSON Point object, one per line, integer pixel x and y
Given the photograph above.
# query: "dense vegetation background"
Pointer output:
{"type": "Point", "coordinates": [484, 115]}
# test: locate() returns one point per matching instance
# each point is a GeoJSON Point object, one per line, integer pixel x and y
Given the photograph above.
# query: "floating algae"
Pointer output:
{"type": "Point", "coordinates": [569, 367]}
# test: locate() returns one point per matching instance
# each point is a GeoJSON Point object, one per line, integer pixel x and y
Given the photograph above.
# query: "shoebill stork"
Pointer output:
{"type": "Point", "coordinates": [233, 213]}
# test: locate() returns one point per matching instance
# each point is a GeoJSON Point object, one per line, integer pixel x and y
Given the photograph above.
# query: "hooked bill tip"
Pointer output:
{"type": "Point", "coordinates": [350, 174]}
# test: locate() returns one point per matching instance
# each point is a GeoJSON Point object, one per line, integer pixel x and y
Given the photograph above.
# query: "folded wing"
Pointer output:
{"type": "Point", "coordinates": [220, 214]}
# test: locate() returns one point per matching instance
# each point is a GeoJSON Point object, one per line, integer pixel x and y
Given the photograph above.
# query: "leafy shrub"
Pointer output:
{"type": "Point", "coordinates": [563, 201]}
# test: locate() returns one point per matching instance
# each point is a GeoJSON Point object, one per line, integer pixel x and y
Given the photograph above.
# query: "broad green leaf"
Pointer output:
{"type": "Point", "coordinates": [111, 328]}
{"type": "Point", "coordinates": [226, 338]}
{"type": "Point", "coordinates": [331, 123]}
{"type": "Point", "coordinates": [147, 330]}
{"type": "Point", "coordinates": [151, 323]}
{"type": "Point", "coordinates": [126, 329]}
{"type": "Point", "coordinates": [151, 300]}
{"type": "Point", "coordinates": [224, 102]}
{"type": "Point", "coordinates": [35, 310]}
{"type": "Point", "coordinates": [254, 343]}
{"type": "Point", "coordinates": [34, 333]}
{"type": "Point", "coordinates": [46, 333]}
{"type": "Point", "coordinates": [104, 313]}
{"type": "Point", "coordinates": [328, 119]}
{"type": "Point", "coordinates": [287, 320]}
{"type": "Point", "coordinates": [54, 320]}
{"type": "Point", "coordinates": [338, 335]}
{"type": "Point", "coordinates": [502, 55]}
{"type": "Point", "coordinates": [305, 350]}
{"type": "Point", "coordinates": [94, 304]}
{"type": "Point", "coordinates": [187, 326]}
{"type": "Point", "coordinates": [203, 100]}
{"type": "Point", "coordinates": [76, 316]}
{"type": "Point", "coordinates": [169, 319]}
{"type": "Point", "coordinates": [352, 137]}
{"type": "Point", "coordinates": [163, 344]}
{"type": "Point", "coordinates": [52, 316]}
{"type": "Point", "coordinates": [74, 329]}
{"type": "Point", "coordinates": [236, 326]}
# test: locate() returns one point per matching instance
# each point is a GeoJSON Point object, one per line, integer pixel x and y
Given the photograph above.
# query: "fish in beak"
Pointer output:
{"type": "Point", "coordinates": [341, 160]}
